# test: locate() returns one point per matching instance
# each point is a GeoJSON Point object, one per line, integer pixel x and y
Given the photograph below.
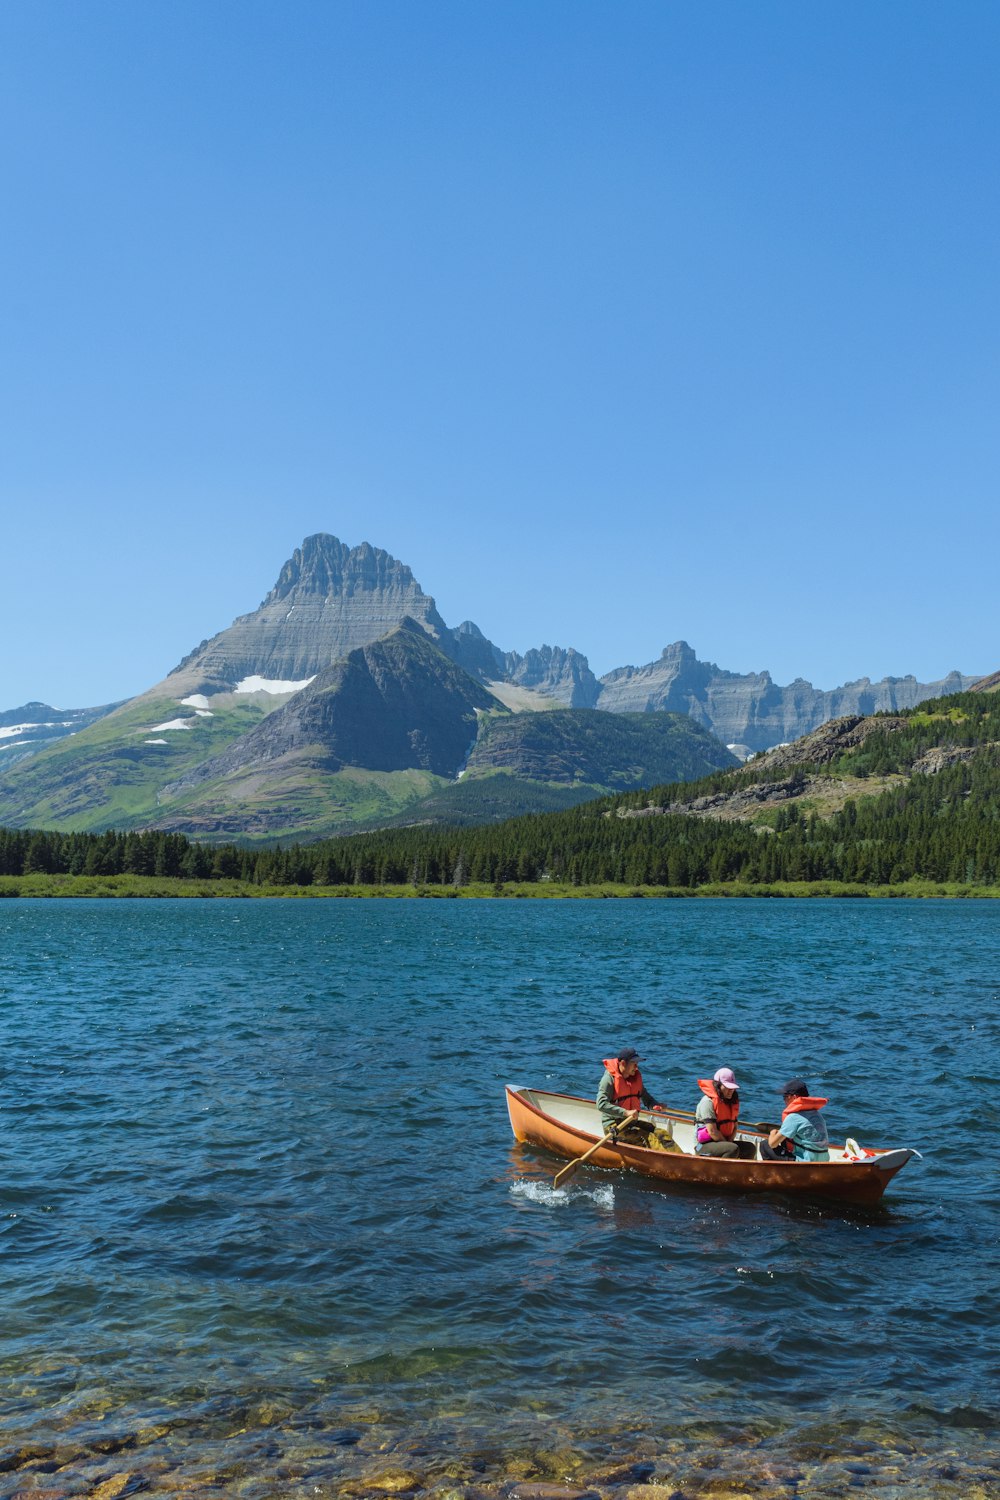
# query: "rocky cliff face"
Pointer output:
{"type": "Point", "coordinates": [467, 646]}
{"type": "Point", "coordinates": [557, 673]}
{"type": "Point", "coordinates": [329, 600]}
{"type": "Point", "coordinates": [750, 710]}
{"type": "Point", "coordinates": [392, 705]}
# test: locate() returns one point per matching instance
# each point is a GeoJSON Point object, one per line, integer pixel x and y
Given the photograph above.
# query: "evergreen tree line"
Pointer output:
{"type": "Point", "coordinates": [944, 827]}
{"type": "Point", "coordinates": [941, 827]}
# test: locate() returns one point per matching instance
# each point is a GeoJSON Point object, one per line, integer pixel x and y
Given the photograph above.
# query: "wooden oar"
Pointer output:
{"type": "Point", "coordinates": [578, 1161]}
{"type": "Point", "coordinates": [684, 1114]}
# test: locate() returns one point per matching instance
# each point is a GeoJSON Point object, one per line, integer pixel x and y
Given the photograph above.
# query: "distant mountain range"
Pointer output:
{"type": "Point", "coordinates": [34, 725]}
{"type": "Point", "coordinates": [345, 700]}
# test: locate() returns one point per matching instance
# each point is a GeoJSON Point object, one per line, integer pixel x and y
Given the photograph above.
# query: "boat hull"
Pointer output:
{"type": "Point", "coordinates": [569, 1126]}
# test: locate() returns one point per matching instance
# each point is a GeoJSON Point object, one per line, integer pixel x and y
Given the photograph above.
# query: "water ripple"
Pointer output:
{"type": "Point", "coordinates": [260, 1195]}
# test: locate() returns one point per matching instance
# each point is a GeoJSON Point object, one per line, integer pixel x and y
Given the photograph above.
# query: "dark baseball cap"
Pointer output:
{"type": "Point", "coordinates": [629, 1054]}
{"type": "Point", "coordinates": [796, 1087]}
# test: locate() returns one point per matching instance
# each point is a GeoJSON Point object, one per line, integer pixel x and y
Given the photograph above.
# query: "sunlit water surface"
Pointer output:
{"type": "Point", "coordinates": [265, 1229]}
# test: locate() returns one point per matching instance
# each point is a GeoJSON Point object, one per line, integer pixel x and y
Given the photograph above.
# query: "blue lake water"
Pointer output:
{"type": "Point", "coordinates": [265, 1230]}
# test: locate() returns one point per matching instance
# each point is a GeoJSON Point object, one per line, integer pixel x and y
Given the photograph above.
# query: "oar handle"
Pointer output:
{"type": "Point", "coordinates": [683, 1114]}
{"type": "Point", "coordinates": [578, 1161]}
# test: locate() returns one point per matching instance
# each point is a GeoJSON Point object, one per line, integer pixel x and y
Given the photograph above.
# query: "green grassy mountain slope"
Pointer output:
{"type": "Point", "coordinates": [371, 735]}
{"type": "Point", "coordinates": [930, 825]}
{"type": "Point", "coordinates": [34, 726]}
{"type": "Point", "coordinates": [111, 774]}
{"type": "Point", "coordinates": [298, 798]}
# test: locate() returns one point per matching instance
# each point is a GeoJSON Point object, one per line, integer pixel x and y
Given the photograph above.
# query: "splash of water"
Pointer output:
{"type": "Point", "coordinates": [546, 1196]}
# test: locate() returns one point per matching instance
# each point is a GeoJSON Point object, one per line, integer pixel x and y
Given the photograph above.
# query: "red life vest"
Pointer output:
{"type": "Point", "coordinates": [726, 1110]}
{"type": "Point", "coordinates": [801, 1104]}
{"type": "Point", "coordinates": [628, 1091]}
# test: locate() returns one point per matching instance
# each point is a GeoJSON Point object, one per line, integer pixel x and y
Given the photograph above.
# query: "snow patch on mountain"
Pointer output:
{"type": "Point", "coordinates": [270, 685]}
{"type": "Point", "coordinates": [11, 729]}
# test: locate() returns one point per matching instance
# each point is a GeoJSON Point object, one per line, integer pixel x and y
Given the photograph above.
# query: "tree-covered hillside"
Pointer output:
{"type": "Point", "coordinates": [939, 821]}
{"type": "Point", "coordinates": [608, 750]}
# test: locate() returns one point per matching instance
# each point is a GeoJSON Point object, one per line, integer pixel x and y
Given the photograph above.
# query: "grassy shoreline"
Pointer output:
{"type": "Point", "coordinates": [154, 887]}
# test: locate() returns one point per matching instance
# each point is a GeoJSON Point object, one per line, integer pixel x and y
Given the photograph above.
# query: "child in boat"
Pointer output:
{"type": "Point", "coordinates": [716, 1115]}
{"type": "Point", "coordinates": [802, 1128]}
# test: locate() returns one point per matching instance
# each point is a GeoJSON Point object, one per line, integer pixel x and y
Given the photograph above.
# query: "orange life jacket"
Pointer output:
{"type": "Point", "coordinates": [801, 1104]}
{"type": "Point", "coordinates": [628, 1091]}
{"type": "Point", "coordinates": [726, 1110]}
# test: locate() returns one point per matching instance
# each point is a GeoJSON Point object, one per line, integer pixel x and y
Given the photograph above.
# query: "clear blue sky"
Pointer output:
{"type": "Point", "coordinates": [619, 323]}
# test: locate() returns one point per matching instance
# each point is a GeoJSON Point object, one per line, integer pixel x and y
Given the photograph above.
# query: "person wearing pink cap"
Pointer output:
{"type": "Point", "coordinates": [716, 1116]}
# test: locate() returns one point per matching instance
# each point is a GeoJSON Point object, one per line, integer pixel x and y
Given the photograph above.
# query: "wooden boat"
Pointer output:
{"type": "Point", "coordinates": [569, 1126]}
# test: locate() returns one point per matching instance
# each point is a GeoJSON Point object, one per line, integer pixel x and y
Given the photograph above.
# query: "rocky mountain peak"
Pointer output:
{"type": "Point", "coordinates": [469, 628]}
{"type": "Point", "coordinates": [325, 566]}
{"type": "Point", "coordinates": [679, 652]}
{"type": "Point", "coordinates": [329, 600]}
{"type": "Point", "coordinates": [557, 672]}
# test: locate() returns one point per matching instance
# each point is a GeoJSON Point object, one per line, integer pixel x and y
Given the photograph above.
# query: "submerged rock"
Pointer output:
{"type": "Point", "coordinates": [533, 1491]}
{"type": "Point", "coordinates": [118, 1486]}
{"type": "Point", "coordinates": [16, 1458]}
{"type": "Point", "coordinates": [390, 1482]}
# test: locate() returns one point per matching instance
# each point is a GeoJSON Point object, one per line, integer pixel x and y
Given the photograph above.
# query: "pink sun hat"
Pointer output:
{"type": "Point", "coordinates": [727, 1078]}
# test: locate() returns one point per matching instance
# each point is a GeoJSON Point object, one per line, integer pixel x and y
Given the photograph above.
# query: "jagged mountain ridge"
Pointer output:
{"type": "Point", "coordinates": [401, 708]}
{"type": "Point", "coordinates": [749, 711]}
{"type": "Point", "coordinates": [329, 601]}
{"type": "Point", "coordinates": [331, 598]}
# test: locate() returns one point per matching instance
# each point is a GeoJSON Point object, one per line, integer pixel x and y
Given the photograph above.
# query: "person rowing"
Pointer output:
{"type": "Point", "coordinates": [716, 1115]}
{"type": "Point", "coordinates": [802, 1134]}
{"type": "Point", "coordinates": [620, 1091]}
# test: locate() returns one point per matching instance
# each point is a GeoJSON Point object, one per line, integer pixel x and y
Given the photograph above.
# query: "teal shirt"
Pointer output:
{"type": "Point", "coordinates": [807, 1133]}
